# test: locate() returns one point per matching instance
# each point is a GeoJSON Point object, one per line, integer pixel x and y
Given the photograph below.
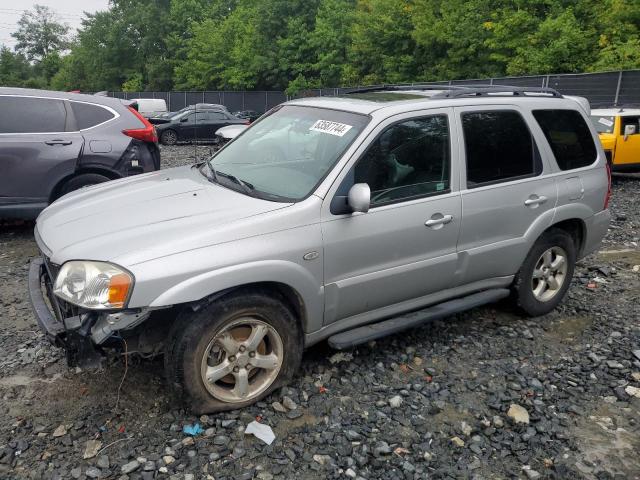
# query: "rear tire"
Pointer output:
{"type": "Point", "coordinates": [545, 275]}
{"type": "Point", "coordinates": [212, 363]}
{"type": "Point", "coordinates": [168, 137]}
{"type": "Point", "coordinates": [81, 181]}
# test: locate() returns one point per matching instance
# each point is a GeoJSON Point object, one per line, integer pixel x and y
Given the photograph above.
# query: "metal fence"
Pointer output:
{"type": "Point", "coordinates": [604, 89]}
{"type": "Point", "coordinates": [260, 101]}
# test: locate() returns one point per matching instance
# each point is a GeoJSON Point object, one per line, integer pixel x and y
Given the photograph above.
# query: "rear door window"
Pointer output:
{"type": "Point", "coordinates": [499, 147]}
{"type": "Point", "coordinates": [569, 137]}
{"type": "Point", "coordinates": [89, 115]}
{"type": "Point", "coordinates": [32, 115]}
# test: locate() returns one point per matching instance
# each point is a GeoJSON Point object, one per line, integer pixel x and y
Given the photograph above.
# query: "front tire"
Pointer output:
{"type": "Point", "coordinates": [233, 352]}
{"type": "Point", "coordinates": [545, 275]}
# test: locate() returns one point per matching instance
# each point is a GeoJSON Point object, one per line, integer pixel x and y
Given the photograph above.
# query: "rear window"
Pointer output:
{"type": "Point", "coordinates": [88, 115]}
{"type": "Point", "coordinates": [499, 147]}
{"type": "Point", "coordinates": [32, 115]}
{"type": "Point", "coordinates": [569, 136]}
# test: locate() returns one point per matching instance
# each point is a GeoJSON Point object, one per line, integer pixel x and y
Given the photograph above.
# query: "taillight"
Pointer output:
{"type": "Point", "coordinates": [608, 196]}
{"type": "Point", "coordinates": [146, 134]}
{"type": "Point", "coordinates": [247, 121]}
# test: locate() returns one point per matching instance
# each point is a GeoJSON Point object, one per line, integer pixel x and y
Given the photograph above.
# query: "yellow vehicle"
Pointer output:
{"type": "Point", "coordinates": [619, 131]}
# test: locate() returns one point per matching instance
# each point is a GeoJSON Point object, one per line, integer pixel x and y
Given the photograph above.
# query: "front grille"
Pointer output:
{"type": "Point", "coordinates": [52, 268]}
{"type": "Point", "coordinates": [61, 309]}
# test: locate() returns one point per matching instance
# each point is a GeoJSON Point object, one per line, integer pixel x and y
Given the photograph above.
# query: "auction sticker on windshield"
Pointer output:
{"type": "Point", "coordinates": [605, 121]}
{"type": "Point", "coordinates": [332, 128]}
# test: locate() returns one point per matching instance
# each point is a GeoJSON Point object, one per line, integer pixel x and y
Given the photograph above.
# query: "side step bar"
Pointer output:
{"type": "Point", "coordinates": [359, 335]}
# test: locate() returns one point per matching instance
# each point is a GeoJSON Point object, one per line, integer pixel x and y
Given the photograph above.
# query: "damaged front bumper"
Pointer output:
{"type": "Point", "coordinates": [82, 333]}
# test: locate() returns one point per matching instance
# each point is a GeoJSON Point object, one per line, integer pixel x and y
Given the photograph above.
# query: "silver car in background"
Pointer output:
{"type": "Point", "coordinates": [344, 218]}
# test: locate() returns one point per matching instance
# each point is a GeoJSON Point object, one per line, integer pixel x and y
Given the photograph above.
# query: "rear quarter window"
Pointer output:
{"type": "Point", "coordinates": [32, 115]}
{"type": "Point", "coordinates": [89, 115]}
{"type": "Point", "coordinates": [569, 137]}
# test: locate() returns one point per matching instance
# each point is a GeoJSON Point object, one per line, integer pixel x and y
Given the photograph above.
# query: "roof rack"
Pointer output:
{"type": "Point", "coordinates": [400, 88]}
{"type": "Point", "coordinates": [457, 91]}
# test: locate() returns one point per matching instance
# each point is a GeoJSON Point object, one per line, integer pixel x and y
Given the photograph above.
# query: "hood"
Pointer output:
{"type": "Point", "coordinates": [146, 216]}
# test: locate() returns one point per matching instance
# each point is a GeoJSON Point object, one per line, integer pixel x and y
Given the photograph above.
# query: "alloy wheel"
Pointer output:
{"type": "Point", "coordinates": [549, 274]}
{"type": "Point", "coordinates": [242, 360]}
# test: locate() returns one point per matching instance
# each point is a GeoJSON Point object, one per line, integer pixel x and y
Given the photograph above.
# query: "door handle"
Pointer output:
{"type": "Point", "coordinates": [58, 142]}
{"type": "Point", "coordinates": [534, 201]}
{"type": "Point", "coordinates": [443, 220]}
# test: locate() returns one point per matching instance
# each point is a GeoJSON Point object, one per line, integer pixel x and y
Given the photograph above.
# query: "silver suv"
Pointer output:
{"type": "Point", "coordinates": [344, 218]}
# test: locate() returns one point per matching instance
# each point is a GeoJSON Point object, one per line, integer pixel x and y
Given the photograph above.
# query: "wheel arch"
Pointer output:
{"type": "Point", "coordinates": [111, 174]}
{"type": "Point", "coordinates": [288, 295]}
{"type": "Point", "coordinates": [287, 280]}
{"type": "Point", "coordinates": [576, 228]}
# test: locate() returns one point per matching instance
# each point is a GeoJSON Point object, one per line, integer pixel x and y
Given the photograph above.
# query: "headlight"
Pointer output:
{"type": "Point", "coordinates": [94, 285]}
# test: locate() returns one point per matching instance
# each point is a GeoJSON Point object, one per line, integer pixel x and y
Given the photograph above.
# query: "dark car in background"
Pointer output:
{"type": "Point", "coordinates": [167, 116]}
{"type": "Point", "coordinates": [52, 143]}
{"type": "Point", "coordinates": [250, 115]}
{"type": "Point", "coordinates": [195, 124]}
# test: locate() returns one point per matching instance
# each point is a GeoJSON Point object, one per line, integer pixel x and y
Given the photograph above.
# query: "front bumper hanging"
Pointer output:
{"type": "Point", "coordinates": [71, 333]}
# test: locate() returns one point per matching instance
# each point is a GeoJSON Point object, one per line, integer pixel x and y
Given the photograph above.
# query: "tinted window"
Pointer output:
{"type": "Point", "coordinates": [31, 115]}
{"type": "Point", "coordinates": [569, 137]}
{"type": "Point", "coordinates": [626, 120]}
{"type": "Point", "coordinates": [408, 160]}
{"type": "Point", "coordinates": [499, 147]}
{"type": "Point", "coordinates": [217, 116]}
{"type": "Point", "coordinates": [88, 115]}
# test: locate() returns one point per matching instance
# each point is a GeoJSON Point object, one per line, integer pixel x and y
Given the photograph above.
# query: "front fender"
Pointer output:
{"type": "Point", "coordinates": [279, 271]}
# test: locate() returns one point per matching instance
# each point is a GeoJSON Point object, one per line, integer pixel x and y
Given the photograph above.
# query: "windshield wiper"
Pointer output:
{"type": "Point", "coordinates": [246, 186]}
{"type": "Point", "coordinates": [212, 170]}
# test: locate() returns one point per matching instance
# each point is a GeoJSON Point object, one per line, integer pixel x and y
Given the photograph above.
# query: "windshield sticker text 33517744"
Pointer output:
{"type": "Point", "coordinates": [332, 128]}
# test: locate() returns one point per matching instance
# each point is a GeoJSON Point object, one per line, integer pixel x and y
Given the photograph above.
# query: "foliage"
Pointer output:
{"type": "Point", "coordinates": [300, 44]}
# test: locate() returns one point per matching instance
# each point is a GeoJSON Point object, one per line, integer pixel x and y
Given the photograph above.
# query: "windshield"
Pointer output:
{"type": "Point", "coordinates": [285, 155]}
{"type": "Point", "coordinates": [603, 124]}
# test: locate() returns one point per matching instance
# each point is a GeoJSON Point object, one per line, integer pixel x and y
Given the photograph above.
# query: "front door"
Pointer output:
{"type": "Point", "coordinates": [628, 149]}
{"type": "Point", "coordinates": [404, 248]}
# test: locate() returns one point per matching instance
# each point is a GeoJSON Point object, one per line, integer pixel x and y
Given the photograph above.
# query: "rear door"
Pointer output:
{"type": "Point", "coordinates": [39, 146]}
{"type": "Point", "coordinates": [505, 190]}
{"type": "Point", "coordinates": [214, 121]}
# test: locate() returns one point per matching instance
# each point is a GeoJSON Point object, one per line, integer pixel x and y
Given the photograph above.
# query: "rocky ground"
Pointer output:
{"type": "Point", "coordinates": [486, 394]}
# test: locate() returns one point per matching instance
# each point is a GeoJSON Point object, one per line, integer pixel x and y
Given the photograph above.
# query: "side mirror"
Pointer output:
{"type": "Point", "coordinates": [629, 130]}
{"type": "Point", "coordinates": [359, 198]}
{"type": "Point", "coordinates": [184, 119]}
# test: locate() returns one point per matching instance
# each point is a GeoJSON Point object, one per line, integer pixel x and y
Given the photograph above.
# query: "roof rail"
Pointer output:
{"type": "Point", "coordinates": [400, 88]}
{"type": "Point", "coordinates": [457, 91]}
{"type": "Point", "coordinates": [493, 90]}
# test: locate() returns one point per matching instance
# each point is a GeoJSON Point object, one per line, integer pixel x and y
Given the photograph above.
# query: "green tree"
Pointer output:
{"type": "Point", "coordinates": [15, 70]}
{"type": "Point", "coordinates": [382, 47]}
{"type": "Point", "coordinates": [39, 34]}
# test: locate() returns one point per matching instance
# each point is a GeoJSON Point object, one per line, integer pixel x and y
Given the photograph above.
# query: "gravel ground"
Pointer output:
{"type": "Point", "coordinates": [485, 394]}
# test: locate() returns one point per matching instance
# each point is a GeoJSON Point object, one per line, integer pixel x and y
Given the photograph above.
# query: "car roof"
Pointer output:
{"type": "Point", "coordinates": [80, 97]}
{"type": "Point", "coordinates": [393, 102]}
{"type": "Point", "coordinates": [615, 112]}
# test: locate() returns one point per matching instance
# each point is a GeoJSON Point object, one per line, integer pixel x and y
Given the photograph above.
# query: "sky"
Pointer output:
{"type": "Point", "coordinates": [69, 12]}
